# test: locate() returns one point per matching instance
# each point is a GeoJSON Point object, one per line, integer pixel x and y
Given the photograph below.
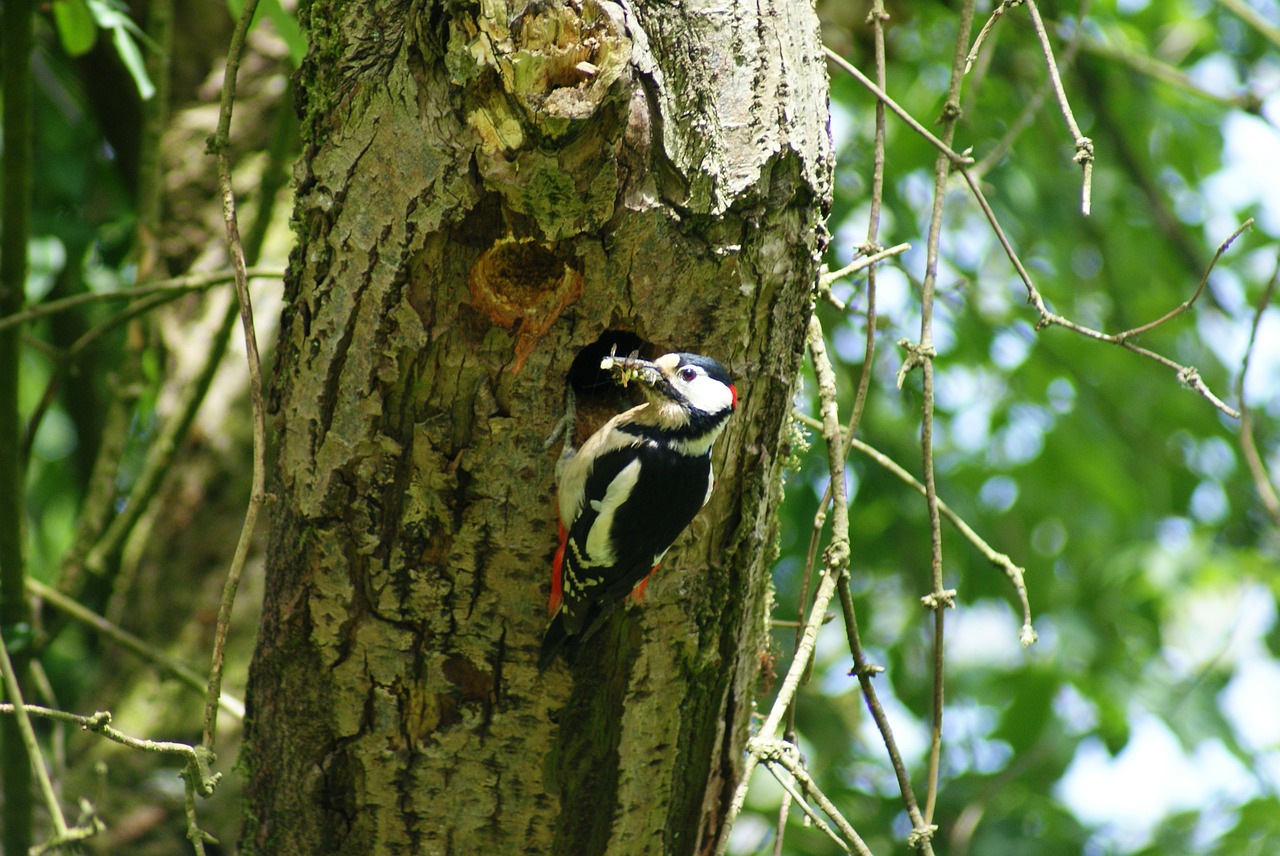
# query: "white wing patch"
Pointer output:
{"type": "Point", "coordinates": [599, 547]}
{"type": "Point", "coordinates": [571, 475]}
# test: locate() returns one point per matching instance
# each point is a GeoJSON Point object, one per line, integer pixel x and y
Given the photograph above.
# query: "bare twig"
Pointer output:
{"type": "Point", "coordinates": [16, 160]}
{"type": "Point", "coordinates": [1015, 572]}
{"type": "Point", "coordinates": [836, 450]}
{"type": "Point", "coordinates": [870, 254]}
{"type": "Point", "coordinates": [165, 663]}
{"type": "Point", "coordinates": [879, 93]}
{"type": "Point", "coordinates": [1187, 375]}
{"type": "Point", "coordinates": [791, 794]}
{"type": "Point", "coordinates": [200, 780]}
{"type": "Point", "coordinates": [1169, 75]}
{"type": "Point", "coordinates": [878, 17]}
{"type": "Point", "coordinates": [1251, 17]}
{"type": "Point", "coordinates": [836, 564]}
{"type": "Point", "coordinates": [21, 713]}
{"type": "Point", "coordinates": [1186, 304]}
{"type": "Point", "coordinates": [171, 288]}
{"type": "Point", "coordinates": [1262, 480]}
{"type": "Point", "coordinates": [1084, 145]}
{"type": "Point", "coordinates": [779, 753]}
{"type": "Point", "coordinates": [862, 262]}
{"type": "Point", "coordinates": [996, 13]}
{"type": "Point", "coordinates": [67, 358]}
{"type": "Point", "coordinates": [219, 145]}
{"type": "Point", "coordinates": [1033, 105]}
{"type": "Point", "coordinates": [923, 354]}
{"type": "Point", "coordinates": [780, 830]}
{"type": "Point", "coordinates": [150, 477]}
{"type": "Point", "coordinates": [100, 723]}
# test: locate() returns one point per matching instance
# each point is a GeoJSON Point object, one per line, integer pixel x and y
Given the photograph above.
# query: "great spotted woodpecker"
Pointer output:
{"type": "Point", "coordinates": [632, 488]}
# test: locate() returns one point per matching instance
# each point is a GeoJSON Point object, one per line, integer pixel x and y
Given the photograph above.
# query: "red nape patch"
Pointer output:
{"type": "Point", "coordinates": [557, 571]}
{"type": "Point", "coordinates": [733, 390]}
{"type": "Point", "coordinates": [637, 593]}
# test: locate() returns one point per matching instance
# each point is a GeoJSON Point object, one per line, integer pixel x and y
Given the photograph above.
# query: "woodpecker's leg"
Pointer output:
{"type": "Point", "coordinates": [637, 593]}
{"type": "Point", "coordinates": [565, 427]}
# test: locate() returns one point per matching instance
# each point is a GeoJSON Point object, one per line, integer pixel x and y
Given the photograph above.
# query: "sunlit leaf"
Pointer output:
{"type": "Point", "coordinates": [77, 30]}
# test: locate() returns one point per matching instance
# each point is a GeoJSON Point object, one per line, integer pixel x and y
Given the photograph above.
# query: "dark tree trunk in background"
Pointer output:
{"type": "Point", "coordinates": [479, 198]}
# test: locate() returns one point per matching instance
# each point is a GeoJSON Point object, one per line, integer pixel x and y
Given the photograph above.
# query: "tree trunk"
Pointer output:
{"type": "Point", "coordinates": [484, 191]}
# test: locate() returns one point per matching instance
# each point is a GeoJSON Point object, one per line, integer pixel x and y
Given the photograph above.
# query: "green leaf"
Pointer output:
{"type": "Point", "coordinates": [286, 24]}
{"type": "Point", "coordinates": [111, 16]}
{"type": "Point", "coordinates": [76, 29]}
{"type": "Point", "coordinates": [127, 48]}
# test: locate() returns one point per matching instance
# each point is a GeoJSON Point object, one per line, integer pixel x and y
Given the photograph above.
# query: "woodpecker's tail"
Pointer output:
{"type": "Point", "coordinates": [555, 639]}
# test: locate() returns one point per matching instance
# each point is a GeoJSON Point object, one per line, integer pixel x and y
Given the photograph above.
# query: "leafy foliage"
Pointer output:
{"type": "Point", "coordinates": [1131, 726]}
{"type": "Point", "coordinates": [1141, 720]}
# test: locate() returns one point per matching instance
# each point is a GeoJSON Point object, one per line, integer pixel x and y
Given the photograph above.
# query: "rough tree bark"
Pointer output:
{"type": "Point", "coordinates": [485, 189]}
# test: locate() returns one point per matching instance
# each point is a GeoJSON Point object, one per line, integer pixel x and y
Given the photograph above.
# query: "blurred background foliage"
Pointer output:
{"type": "Point", "coordinates": [1143, 721]}
{"type": "Point", "coordinates": [138, 435]}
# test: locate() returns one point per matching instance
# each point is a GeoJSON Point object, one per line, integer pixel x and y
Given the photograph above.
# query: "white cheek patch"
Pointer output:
{"type": "Point", "coordinates": [599, 545]}
{"type": "Point", "coordinates": [708, 395]}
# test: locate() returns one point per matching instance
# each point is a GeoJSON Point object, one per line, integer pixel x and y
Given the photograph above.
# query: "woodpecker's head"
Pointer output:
{"type": "Point", "coordinates": [689, 396]}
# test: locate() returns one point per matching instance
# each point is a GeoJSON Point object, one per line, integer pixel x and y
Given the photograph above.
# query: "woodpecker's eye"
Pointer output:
{"type": "Point", "coordinates": [688, 373]}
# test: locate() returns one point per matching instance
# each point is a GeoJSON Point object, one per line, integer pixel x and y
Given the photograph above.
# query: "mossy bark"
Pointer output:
{"type": "Point", "coordinates": [486, 189]}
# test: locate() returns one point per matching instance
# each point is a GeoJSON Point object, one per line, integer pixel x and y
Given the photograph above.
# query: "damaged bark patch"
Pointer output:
{"type": "Point", "coordinates": [566, 57]}
{"type": "Point", "coordinates": [555, 63]}
{"type": "Point", "coordinates": [523, 286]}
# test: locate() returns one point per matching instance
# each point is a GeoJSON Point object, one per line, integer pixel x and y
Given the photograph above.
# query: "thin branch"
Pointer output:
{"type": "Point", "coordinates": [197, 836]}
{"type": "Point", "coordinates": [1262, 480]}
{"type": "Point", "coordinates": [1251, 17]}
{"type": "Point", "coordinates": [836, 558]}
{"type": "Point", "coordinates": [996, 13]}
{"type": "Point", "coordinates": [1084, 145]}
{"type": "Point", "coordinates": [165, 663]}
{"type": "Point", "coordinates": [66, 359]}
{"type": "Point", "coordinates": [957, 159]}
{"type": "Point", "coordinates": [1033, 105]}
{"type": "Point", "coordinates": [788, 785]}
{"type": "Point", "coordinates": [172, 288]}
{"type": "Point", "coordinates": [780, 831]}
{"type": "Point", "coordinates": [1170, 75]}
{"type": "Point", "coordinates": [200, 780]}
{"type": "Point", "coordinates": [878, 17]}
{"type": "Point", "coordinates": [57, 739]}
{"type": "Point", "coordinates": [219, 145]}
{"type": "Point", "coordinates": [921, 831]}
{"type": "Point", "coordinates": [14, 691]}
{"type": "Point", "coordinates": [836, 564]}
{"type": "Point", "coordinates": [923, 354]}
{"type": "Point", "coordinates": [871, 254]}
{"type": "Point", "coordinates": [1186, 304]}
{"type": "Point", "coordinates": [1015, 572]}
{"type": "Point", "coordinates": [786, 755]}
{"type": "Point", "coordinates": [861, 262]}
{"type": "Point", "coordinates": [1188, 375]}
